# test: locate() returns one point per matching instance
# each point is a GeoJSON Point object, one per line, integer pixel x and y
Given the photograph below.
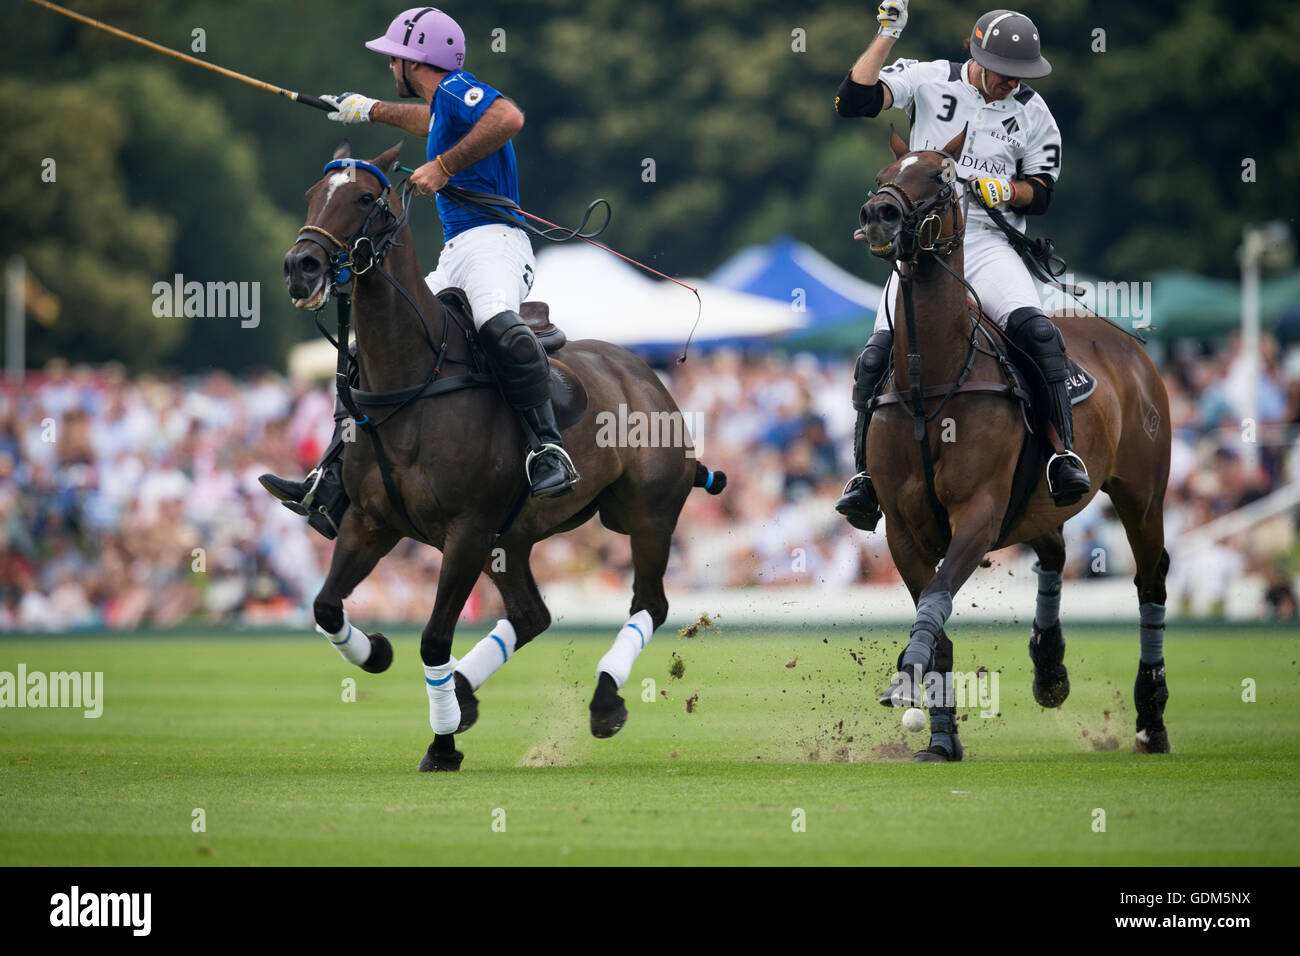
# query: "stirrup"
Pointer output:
{"type": "Point", "coordinates": [571, 472]}
{"type": "Point", "coordinates": [314, 476]}
{"type": "Point", "coordinates": [858, 478]}
{"type": "Point", "coordinates": [1065, 454]}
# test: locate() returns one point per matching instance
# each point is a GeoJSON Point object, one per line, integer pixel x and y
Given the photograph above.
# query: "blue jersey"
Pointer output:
{"type": "Point", "coordinates": [457, 105]}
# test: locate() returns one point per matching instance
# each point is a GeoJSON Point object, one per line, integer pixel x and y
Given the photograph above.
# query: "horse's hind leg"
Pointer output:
{"type": "Point", "coordinates": [358, 550]}
{"type": "Point", "coordinates": [651, 543]}
{"type": "Point", "coordinates": [1047, 644]}
{"type": "Point", "coordinates": [526, 617]}
{"type": "Point", "coordinates": [1143, 516]}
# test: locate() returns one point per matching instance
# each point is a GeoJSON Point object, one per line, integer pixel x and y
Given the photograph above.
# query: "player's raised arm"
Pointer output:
{"type": "Point", "coordinates": [862, 93]}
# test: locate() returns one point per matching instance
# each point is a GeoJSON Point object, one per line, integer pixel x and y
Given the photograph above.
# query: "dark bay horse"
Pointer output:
{"type": "Point", "coordinates": [456, 459]}
{"type": "Point", "coordinates": [1122, 432]}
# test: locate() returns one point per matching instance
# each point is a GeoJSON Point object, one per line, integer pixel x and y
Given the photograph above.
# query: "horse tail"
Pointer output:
{"type": "Point", "coordinates": [711, 481]}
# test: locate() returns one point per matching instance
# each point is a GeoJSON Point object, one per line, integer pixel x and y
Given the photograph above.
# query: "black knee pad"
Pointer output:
{"type": "Point", "coordinates": [871, 365]}
{"type": "Point", "coordinates": [1038, 335]}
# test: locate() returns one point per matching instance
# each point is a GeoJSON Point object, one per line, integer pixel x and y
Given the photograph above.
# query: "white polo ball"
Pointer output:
{"type": "Point", "coordinates": [914, 719]}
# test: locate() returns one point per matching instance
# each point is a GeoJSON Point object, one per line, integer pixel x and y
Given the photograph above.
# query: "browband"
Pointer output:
{"type": "Point", "coordinates": [359, 164]}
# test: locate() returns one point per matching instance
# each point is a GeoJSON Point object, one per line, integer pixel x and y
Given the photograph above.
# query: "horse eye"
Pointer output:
{"type": "Point", "coordinates": [366, 199]}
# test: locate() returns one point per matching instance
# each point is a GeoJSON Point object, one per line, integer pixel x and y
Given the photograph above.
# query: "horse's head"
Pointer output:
{"type": "Point", "coordinates": [915, 208]}
{"type": "Point", "coordinates": [352, 219]}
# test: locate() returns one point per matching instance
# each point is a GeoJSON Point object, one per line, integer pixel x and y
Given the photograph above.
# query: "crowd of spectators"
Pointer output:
{"type": "Point", "coordinates": [132, 501]}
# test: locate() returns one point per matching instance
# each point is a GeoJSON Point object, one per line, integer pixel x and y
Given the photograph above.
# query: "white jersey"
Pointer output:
{"type": "Point", "coordinates": [1009, 138]}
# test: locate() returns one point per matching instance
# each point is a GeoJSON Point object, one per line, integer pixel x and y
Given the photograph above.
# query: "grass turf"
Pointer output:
{"type": "Point", "coordinates": [255, 732]}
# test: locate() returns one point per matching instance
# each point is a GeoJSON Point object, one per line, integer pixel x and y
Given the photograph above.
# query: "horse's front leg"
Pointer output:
{"type": "Point", "coordinates": [357, 551]}
{"type": "Point", "coordinates": [463, 556]}
{"type": "Point", "coordinates": [926, 664]}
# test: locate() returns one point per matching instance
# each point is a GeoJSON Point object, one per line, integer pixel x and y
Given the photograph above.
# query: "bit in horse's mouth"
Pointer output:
{"type": "Point", "coordinates": [316, 299]}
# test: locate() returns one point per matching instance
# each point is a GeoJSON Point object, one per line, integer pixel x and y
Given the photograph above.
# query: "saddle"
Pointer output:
{"type": "Point", "coordinates": [568, 394]}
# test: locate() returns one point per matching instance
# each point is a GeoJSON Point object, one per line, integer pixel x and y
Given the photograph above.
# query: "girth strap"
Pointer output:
{"type": "Point", "coordinates": [426, 390]}
{"type": "Point", "coordinates": [1014, 392]}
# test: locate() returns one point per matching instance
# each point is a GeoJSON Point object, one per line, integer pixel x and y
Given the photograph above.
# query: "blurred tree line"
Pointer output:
{"type": "Point", "coordinates": [163, 168]}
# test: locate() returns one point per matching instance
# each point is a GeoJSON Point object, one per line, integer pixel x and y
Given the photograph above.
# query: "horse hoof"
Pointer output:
{"type": "Point", "coordinates": [1051, 686]}
{"type": "Point", "coordinates": [901, 693]}
{"type": "Point", "coordinates": [608, 711]}
{"type": "Point", "coordinates": [468, 704]}
{"type": "Point", "coordinates": [1151, 742]}
{"type": "Point", "coordinates": [435, 761]}
{"type": "Point", "coordinates": [381, 655]}
{"type": "Point", "coordinates": [934, 755]}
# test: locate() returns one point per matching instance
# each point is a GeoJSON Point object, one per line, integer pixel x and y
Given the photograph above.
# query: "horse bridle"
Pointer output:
{"type": "Point", "coordinates": [922, 225]}
{"type": "Point", "coordinates": [345, 259]}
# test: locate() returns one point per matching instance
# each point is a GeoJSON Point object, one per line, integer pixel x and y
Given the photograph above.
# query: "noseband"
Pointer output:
{"type": "Point", "coordinates": [922, 221]}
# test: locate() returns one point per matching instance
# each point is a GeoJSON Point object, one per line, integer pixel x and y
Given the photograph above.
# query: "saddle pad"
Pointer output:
{"type": "Point", "coordinates": [1081, 382]}
{"type": "Point", "coordinates": [568, 395]}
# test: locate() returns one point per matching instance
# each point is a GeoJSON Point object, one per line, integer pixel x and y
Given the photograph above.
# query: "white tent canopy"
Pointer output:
{"type": "Point", "coordinates": [595, 295]}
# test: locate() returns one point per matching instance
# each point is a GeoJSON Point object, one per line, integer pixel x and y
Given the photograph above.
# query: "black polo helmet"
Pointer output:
{"type": "Point", "coordinates": [1006, 42]}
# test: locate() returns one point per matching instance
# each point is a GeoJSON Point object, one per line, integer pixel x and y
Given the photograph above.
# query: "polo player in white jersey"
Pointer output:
{"type": "Point", "coordinates": [1012, 153]}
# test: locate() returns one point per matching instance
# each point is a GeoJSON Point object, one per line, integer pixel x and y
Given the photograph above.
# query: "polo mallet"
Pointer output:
{"type": "Point", "coordinates": [269, 87]}
{"type": "Point", "coordinates": [320, 104]}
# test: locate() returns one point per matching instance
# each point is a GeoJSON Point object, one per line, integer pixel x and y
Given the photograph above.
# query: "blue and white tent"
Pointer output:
{"type": "Point", "coordinates": [792, 272]}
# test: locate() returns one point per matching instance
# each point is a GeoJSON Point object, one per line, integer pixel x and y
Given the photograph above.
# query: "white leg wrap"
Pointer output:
{"type": "Point", "coordinates": [350, 641]}
{"type": "Point", "coordinates": [631, 640]}
{"type": "Point", "coordinates": [444, 710]}
{"type": "Point", "coordinates": [488, 655]}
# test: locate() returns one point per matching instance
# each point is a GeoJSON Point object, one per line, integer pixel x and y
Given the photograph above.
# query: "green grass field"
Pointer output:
{"type": "Point", "coordinates": [255, 732]}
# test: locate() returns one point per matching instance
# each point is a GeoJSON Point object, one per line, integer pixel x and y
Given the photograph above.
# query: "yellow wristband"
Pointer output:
{"type": "Point", "coordinates": [444, 166]}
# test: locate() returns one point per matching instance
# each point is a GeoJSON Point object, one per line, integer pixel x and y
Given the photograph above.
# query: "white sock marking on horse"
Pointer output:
{"type": "Point", "coordinates": [444, 709]}
{"type": "Point", "coordinates": [488, 655]}
{"type": "Point", "coordinates": [350, 641]}
{"type": "Point", "coordinates": [631, 640]}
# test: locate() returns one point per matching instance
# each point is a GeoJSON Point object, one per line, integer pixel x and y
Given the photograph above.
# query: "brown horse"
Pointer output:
{"type": "Point", "coordinates": [956, 517]}
{"type": "Point", "coordinates": [456, 459]}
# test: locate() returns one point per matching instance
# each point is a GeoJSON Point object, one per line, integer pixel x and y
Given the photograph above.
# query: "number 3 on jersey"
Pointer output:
{"type": "Point", "coordinates": [950, 108]}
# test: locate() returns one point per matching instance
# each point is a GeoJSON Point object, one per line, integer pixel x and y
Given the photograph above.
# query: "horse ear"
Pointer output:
{"type": "Point", "coordinates": [955, 144]}
{"type": "Point", "coordinates": [343, 150]}
{"type": "Point", "coordinates": [387, 160]}
{"type": "Point", "coordinates": [896, 143]}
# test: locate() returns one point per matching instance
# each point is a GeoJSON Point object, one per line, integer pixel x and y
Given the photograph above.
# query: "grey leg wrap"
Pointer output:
{"type": "Point", "coordinates": [1152, 632]}
{"type": "Point", "coordinates": [931, 614]}
{"type": "Point", "coordinates": [1048, 611]}
{"type": "Point", "coordinates": [943, 729]}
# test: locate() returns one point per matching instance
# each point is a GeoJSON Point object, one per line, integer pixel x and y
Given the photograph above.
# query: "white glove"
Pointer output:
{"type": "Point", "coordinates": [892, 17]}
{"type": "Point", "coordinates": [351, 107]}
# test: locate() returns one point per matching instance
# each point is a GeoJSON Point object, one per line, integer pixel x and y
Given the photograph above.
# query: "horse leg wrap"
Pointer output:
{"type": "Point", "coordinates": [444, 710]}
{"type": "Point", "coordinates": [350, 641]}
{"type": "Point", "coordinates": [932, 612]}
{"type": "Point", "coordinates": [1152, 632]}
{"type": "Point", "coordinates": [943, 731]}
{"type": "Point", "coordinates": [631, 640]}
{"type": "Point", "coordinates": [1048, 611]}
{"type": "Point", "coordinates": [487, 656]}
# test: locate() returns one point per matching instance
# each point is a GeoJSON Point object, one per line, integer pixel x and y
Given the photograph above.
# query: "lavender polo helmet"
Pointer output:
{"type": "Point", "coordinates": [424, 35]}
